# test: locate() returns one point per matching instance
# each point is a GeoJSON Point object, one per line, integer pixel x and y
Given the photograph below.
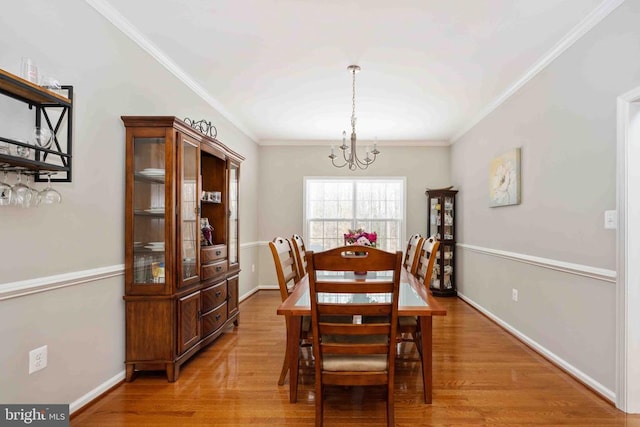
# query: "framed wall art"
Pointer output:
{"type": "Point", "coordinates": [504, 179]}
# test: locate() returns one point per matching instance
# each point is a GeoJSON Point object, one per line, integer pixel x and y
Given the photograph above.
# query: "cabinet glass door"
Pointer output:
{"type": "Point", "coordinates": [442, 278]}
{"type": "Point", "coordinates": [148, 211]}
{"type": "Point", "coordinates": [448, 218]}
{"type": "Point", "coordinates": [434, 219]}
{"type": "Point", "coordinates": [189, 231]}
{"type": "Point", "coordinates": [234, 178]}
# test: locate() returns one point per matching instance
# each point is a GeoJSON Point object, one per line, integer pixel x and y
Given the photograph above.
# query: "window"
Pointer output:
{"type": "Point", "coordinates": [335, 205]}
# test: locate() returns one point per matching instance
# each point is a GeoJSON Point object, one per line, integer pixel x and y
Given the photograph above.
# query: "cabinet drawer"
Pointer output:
{"type": "Point", "coordinates": [213, 296]}
{"type": "Point", "coordinates": [214, 270]}
{"type": "Point", "coordinates": [214, 320]}
{"type": "Point", "coordinates": [212, 253]}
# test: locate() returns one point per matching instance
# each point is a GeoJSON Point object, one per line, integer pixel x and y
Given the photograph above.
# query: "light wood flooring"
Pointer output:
{"type": "Point", "coordinates": [482, 376]}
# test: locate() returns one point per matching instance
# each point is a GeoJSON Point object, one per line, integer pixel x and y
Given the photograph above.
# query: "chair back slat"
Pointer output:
{"type": "Point", "coordinates": [351, 287]}
{"type": "Point", "coordinates": [301, 254]}
{"type": "Point", "coordinates": [349, 308]}
{"type": "Point", "coordinates": [428, 255]}
{"type": "Point", "coordinates": [354, 258]}
{"type": "Point", "coordinates": [411, 255]}
{"type": "Point", "coordinates": [285, 264]}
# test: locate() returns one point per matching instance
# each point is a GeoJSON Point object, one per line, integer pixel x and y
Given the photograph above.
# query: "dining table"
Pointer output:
{"type": "Point", "coordinates": [415, 299]}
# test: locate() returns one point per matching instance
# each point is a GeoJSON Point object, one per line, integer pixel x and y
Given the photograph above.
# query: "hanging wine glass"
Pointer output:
{"type": "Point", "coordinates": [22, 193]}
{"type": "Point", "coordinates": [42, 137]}
{"type": "Point", "coordinates": [6, 190]}
{"type": "Point", "coordinates": [33, 199]}
{"type": "Point", "coordinates": [49, 196]}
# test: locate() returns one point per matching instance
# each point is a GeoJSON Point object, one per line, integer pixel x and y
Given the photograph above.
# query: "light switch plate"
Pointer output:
{"type": "Point", "coordinates": [610, 219]}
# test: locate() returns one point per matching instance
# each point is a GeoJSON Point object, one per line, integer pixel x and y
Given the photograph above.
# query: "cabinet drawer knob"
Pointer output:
{"type": "Point", "coordinates": [219, 268]}
{"type": "Point", "coordinates": [218, 293]}
{"type": "Point", "coordinates": [218, 252]}
{"type": "Point", "coordinates": [218, 316]}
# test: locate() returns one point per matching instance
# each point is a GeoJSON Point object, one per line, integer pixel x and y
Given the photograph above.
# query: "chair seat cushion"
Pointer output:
{"type": "Point", "coordinates": [407, 321]}
{"type": "Point", "coordinates": [365, 362]}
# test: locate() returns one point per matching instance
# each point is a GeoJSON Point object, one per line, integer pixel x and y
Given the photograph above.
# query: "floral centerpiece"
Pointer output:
{"type": "Point", "coordinates": [360, 237]}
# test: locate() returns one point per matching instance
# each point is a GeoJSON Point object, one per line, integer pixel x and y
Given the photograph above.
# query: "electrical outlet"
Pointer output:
{"type": "Point", "coordinates": [37, 359]}
{"type": "Point", "coordinates": [253, 268]}
{"type": "Point", "coordinates": [514, 294]}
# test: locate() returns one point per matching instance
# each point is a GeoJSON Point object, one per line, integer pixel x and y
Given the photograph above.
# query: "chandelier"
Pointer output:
{"type": "Point", "coordinates": [349, 152]}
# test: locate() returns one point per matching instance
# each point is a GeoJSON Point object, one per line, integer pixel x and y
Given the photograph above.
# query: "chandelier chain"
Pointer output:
{"type": "Point", "coordinates": [353, 101]}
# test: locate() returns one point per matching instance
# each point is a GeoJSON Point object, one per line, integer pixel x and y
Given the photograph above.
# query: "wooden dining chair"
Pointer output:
{"type": "Point", "coordinates": [352, 352]}
{"type": "Point", "coordinates": [428, 253]}
{"type": "Point", "coordinates": [288, 276]}
{"type": "Point", "coordinates": [409, 325]}
{"type": "Point", "coordinates": [413, 247]}
{"type": "Point", "coordinates": [300, 251]}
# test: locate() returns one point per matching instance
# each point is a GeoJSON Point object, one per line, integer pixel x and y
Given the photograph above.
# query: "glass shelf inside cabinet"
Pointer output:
{"type": "Point", "coordinates": [149, 211]}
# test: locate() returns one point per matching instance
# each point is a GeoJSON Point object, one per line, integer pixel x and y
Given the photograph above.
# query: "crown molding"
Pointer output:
{"type": "Point", "coordinates": [104, 8]}
{"type": "Point", "coordinates": [590, 21]}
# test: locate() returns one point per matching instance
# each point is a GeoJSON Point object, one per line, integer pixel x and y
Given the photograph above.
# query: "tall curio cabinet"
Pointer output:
{"type": "Point", "coordinates": [181, 242]}
{"type": "Point", "coordinates": [442, 208]}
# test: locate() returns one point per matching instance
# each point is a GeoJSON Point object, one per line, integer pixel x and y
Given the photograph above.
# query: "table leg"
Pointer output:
{"type": "Point", "coordinates": [293, 354]}
{"type": "Point", "coordinates": [427, 356]}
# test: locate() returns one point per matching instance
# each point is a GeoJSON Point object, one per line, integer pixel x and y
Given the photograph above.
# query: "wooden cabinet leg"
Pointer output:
{"type": "Point", "coordinates": [173, 371]}
{"type": "Point", "coordinates": [130, 369]}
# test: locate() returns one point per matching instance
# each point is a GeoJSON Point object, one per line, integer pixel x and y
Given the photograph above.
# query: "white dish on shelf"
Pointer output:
{"type": "Point", "coordinates": [152, 172]}
{"type": "Point", "coordinates": [155, 210]}
{"type": "Point", "coordinates": [155, 248]}
{"type": "Point", "coordinates": [155, 243]}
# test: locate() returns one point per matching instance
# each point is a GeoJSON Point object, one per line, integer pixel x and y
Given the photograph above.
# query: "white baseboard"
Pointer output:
{"type": "Point", "coordinates": [96, 392]}
{"type": "Point", "coordinates": [248, 294]}
{"type": "Point", "coordinates": [563, 364]}
{"type": "Point", "coordinates": [258, 288]}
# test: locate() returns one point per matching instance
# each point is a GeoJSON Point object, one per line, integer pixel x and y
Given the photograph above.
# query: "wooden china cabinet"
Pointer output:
{"type": "Point", "coordinates": [181, 287]}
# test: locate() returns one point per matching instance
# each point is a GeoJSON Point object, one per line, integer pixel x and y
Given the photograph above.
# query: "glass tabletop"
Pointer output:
{"type": "Point", "coordinates": [408, 297]}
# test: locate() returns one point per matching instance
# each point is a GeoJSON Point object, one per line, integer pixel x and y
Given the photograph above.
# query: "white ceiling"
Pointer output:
{"type": "Point", "coordinates": [278, 68]}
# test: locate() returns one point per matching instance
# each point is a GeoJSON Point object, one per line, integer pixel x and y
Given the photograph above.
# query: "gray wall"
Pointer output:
{"type": "Point", "coordinates": [283, 168]}
{"type": "Point", "coordinates": [83, 325]}
{"type": "Point", "coordinates": [565, 121]}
